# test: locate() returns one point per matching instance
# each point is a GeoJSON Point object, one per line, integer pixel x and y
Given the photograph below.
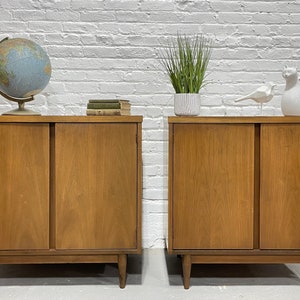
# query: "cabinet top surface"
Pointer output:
{"type": "Point", "coordinates": [71, 119]}
{"type": "Point", "coordinates": [234, 120]}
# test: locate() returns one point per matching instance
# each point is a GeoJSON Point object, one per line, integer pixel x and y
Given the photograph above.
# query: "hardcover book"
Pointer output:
{"type": "Point", "coordinates": [108, 112]}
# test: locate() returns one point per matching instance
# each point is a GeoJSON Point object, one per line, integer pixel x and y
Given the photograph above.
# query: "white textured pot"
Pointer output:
{"type": "Point", "coordinates": [187, 104]}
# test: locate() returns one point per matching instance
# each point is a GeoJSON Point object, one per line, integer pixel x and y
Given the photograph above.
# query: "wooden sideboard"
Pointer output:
{"type": "Point", "coordinates": [70, 189]}
{"type": "Point", "coordinates": [234, 190]}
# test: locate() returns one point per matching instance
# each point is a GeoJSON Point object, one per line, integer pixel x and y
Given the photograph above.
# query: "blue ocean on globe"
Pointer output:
{"type": "Point", "coordinates": [25, 68]}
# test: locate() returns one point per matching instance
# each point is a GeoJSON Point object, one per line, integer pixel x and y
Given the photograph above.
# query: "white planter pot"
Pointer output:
{"type": "Point", "coordinates": [187, 104]}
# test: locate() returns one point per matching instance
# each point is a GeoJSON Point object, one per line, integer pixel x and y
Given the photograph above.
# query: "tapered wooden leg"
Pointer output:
{"type": "Point", "coordinates": [122, 264]}
{"type": "Point", "coordinates": [186, 268]}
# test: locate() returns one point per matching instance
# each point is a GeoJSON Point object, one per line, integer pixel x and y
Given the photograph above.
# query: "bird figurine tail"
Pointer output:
{"type": "Point", "coordinates": [242, 98]}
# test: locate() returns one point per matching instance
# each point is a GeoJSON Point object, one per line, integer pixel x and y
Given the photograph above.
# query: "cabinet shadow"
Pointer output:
{"type": "Point", "coordinates": [232, 274]}
{"type": "Point", "coordinates": [70, 274]}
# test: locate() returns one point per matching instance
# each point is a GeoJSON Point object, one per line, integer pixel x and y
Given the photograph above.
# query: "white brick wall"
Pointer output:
{"type": "Point", "coordinates": [109, 49]}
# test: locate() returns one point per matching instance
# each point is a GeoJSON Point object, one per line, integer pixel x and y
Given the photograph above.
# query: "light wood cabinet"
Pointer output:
{"type": "Point", "coordinates": [24, 192]}
{"type": "Point", "coordinates": [94, 206]}
{"type": "Point", "coordinates": [280, 186]}
{"type": "Point", "coordinates": [71, 189]}
{"type": "Point", "coordinates": [234, 190]}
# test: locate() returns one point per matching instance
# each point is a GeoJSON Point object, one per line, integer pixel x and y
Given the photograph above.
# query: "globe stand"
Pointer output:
{"type": "Point", "coordinates": [21, 110]}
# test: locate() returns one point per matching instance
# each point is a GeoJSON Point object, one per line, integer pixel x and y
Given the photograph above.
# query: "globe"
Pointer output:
{"type": "Point", "coordinates": [25, 70]}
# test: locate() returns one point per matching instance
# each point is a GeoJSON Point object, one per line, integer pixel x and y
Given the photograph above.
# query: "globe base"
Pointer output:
{"type": "Point", "coordinates": [22, 112]}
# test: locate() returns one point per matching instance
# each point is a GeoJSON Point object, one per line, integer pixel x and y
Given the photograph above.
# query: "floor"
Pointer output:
{"type": "Point", "coordinates": [153, 275]}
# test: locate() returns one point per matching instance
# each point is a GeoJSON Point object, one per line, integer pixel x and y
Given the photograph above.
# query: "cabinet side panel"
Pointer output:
{"type": "Point", "coordinates": [24, 192]}
{"type": "Point", "coordinates": [170, 190]}
{"type": "Point", "coordinates": [96, 186]}
{"type": "Point", "coordinates": [280, 186]}
{"type": "Point", "coordinates": [213, 186]}
{"type": "Point", "coordinates": [139, 186]}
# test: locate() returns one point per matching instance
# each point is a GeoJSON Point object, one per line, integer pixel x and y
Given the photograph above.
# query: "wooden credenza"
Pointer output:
{"type": "Point", "coordinates": [234, 190]}
{"type": "Point", "coordinates": [70, 189]}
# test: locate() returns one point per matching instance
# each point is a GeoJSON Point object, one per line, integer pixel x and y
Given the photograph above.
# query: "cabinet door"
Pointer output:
{"type": "Point", "coordinates": [24, 192]}
{"type": "Point", "coordinates": [96, 186]}
{"type": "Point", "coordinates": [213, 186]}
{"type": "Point", "coordinates": [280, 186]}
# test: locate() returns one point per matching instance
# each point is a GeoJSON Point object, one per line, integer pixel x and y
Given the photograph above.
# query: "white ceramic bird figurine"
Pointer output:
{"type": "Point", "coordinates": [261, 95]}
{"type": "Point", "coordinates": [290, 102]}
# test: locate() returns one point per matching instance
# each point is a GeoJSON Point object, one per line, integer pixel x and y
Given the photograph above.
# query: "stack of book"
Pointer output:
{"type": "Point", "coordinates": [108, 107]}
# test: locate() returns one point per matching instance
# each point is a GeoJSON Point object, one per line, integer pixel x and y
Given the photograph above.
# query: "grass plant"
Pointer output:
{"type": "Point", "coordinates": [186, 60]}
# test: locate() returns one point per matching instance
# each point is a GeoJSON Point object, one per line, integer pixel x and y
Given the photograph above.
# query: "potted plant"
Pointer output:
{"type": "Point", "coordinates": [185, 60]}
